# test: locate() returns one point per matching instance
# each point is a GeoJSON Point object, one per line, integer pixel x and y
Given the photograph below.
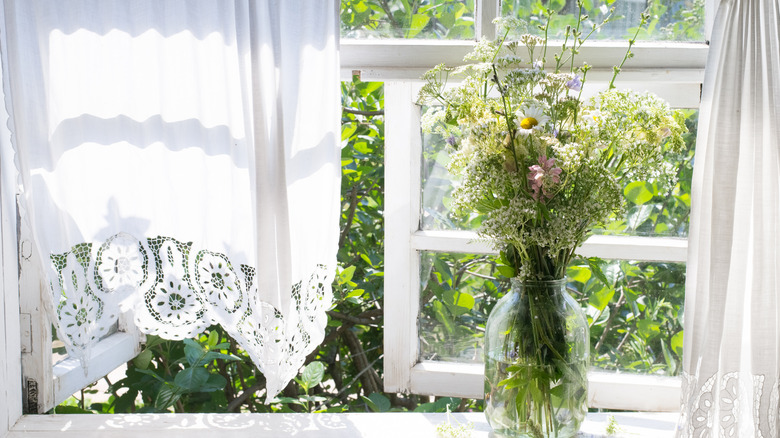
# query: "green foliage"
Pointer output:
{"type": "Point", "coordinates": [677, 20]}
{"type": "Point", "coordinates": [458, 290]}
{"type": "Point", "coordinates": [440, 19]}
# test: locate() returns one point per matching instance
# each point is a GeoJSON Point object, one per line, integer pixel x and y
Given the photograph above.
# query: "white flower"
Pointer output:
{"type": "Point", "coordinates": [121, 263]}
{"type": "Point", "coordinates": [531, 117]}
{"type": "Point", "coordinates": [591, 118]}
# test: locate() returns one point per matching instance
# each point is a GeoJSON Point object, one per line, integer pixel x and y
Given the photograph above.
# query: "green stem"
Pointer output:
{"type": "Point", "coordinates": [631, 42]}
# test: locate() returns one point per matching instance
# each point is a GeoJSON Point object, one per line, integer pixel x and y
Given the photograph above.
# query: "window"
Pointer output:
{"type": "Point", "coordinates": [673, 70]}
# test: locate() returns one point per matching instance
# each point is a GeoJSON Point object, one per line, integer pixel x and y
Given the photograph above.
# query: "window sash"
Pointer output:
{"type": "Point", "coordinates": [404, 372]}
{"type": "Point", "coordinates": [388, 61]}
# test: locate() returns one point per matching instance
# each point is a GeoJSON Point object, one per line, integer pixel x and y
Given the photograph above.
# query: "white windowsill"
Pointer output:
{"type": "Point", "coordinates": [402, 424]}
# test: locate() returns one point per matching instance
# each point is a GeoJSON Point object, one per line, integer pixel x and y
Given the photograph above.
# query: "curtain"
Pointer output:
{"type": "Point", "coordinates": [180, 160]}
{"type": "Point", "coordinates": [732, 308]}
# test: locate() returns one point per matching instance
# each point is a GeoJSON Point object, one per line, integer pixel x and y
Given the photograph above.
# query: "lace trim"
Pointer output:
{"type": "Point", "coordinates": [729, 405]}
{"type": "Point", "coordinates": [175, 291]}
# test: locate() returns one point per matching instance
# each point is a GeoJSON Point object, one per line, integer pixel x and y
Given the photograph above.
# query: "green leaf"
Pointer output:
{"type": "Point", "coordinates": [638, 192]}
{"type": "Point", "coordinates": [312, 375]}
{"type": "Point", "coordinates": [151, 373]}
{"type": "Point", "coordinates": [71, 410]}
{"type": "Point", "coordinates": [579, 274]}
{"type": "Point", "coordinates": [670, 362]}
{"type": "Point", "coordinates": [459, 303]}
{"type": "Point", "coordinates": [347, 130]}
{"type": "Point", "coordinates": [166, 397]}
{"type": "Point", "coordinates": [638, 215]}
{"type": "Point", "coordinates": [377, 402]}
{"type": "Point", "coordinates": [594, 263]}
{"type": "Point", "coordinates": [648, 328]}
{"type": "Point", "coordinates": [153, 341]}
{"type": "Point", "coordinates": [506, 271]}
{"type": "Point", "coordinates": [213, 339]}
{"type": "Point", "coordinates": [191, 379]}
{"type": "Point", "coordinates": [143, 360]}
{"type": "Point", "coordinates": [125, 402]}
{"type": "Point", "coordinates": [194, 352]}
{"type": "Point", "coordinates": [417, 24]}
{"type": "Point", "coordinates": [356, 293]}
{"type": "Point", "coordinates": [601, 298]}
{"type": "Point", "coordinates": [346, 275]}
{"type": "Point", "coordinates": [215, 382]}
{"type": "Point", "coordinates": [677, 344]}
{"type": "Point", "coordinates": [213, 355]}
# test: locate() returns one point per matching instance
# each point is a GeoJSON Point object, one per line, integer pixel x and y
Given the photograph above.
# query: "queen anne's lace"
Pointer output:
{"type": "Point", "coordinates": [730, 405]}
{"type": "Point", "coordinates": [176, 291]}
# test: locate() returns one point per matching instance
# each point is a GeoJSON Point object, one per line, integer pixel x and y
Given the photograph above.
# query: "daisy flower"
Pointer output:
{"type": "Point", "coordinates": [531, 117]}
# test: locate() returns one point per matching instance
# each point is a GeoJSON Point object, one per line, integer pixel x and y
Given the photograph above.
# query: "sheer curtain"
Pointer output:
{"type": "Point", "coordinates": [180, 160]}
{"type": "Point", "coordinates": [732, 313]}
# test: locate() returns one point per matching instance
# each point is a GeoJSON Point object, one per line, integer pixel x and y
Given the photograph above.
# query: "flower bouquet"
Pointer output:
{"type": "Point", "coordinates": [544, 165]}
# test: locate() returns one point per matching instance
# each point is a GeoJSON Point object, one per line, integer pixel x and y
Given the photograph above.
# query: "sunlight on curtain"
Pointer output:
{"type": "Point", "coordinates": [732, 313]}
{"type": "Point", "coordinates": [180, 160]}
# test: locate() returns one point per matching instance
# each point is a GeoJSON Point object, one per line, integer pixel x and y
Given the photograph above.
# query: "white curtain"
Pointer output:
{"type": "Point", "coordinates": [180, 160]}
{"type": "Point", "coordinates": [732, 308]}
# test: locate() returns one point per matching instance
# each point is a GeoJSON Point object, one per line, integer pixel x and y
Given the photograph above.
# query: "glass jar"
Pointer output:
{"type": "Point", "coordinates": [536, 362]}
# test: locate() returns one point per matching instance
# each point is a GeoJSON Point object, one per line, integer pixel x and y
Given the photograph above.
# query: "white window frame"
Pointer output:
{"type": "Point", "coordinates": [674, 71]}
{"type": "Point", "coordinates": [45, 385]}
{"type": "Point", "coordinates": [397, 62]}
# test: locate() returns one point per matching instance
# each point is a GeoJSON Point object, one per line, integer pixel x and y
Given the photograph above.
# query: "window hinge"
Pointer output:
{"type": "Point", "coordinates": [31, 397]}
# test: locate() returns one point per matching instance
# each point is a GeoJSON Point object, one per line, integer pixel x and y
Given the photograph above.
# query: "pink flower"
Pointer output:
{"type": "Point", "coordinates": [543, 176]}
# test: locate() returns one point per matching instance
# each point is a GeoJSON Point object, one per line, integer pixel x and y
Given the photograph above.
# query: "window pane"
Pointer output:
{"type": "Point", "coordinates": [636, 323]}
{"type": "Point", "coordinates": [650, 208]}
{"type": "Point", "coordinates": [431, 19]}
{"type": "Point", "coordinates": [675, 20]}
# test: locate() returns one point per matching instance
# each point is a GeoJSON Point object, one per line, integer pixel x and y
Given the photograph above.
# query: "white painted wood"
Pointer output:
{"type": "Point", "coordinates": [606, 389]}
{"type": "Point", "coordinates": [423, 54]}
{"type": "Point", "coordinates": [57, 382]}
{"type": "Point", "coordinates": [449, 379]}
{"type": "Point", "coordinates": [348, 425]}
{"type": "Point", "coordinates": [638, 248]}
{"type": "Point", "coordinates": [607, 247]}
{"type": "Point", "coordinates": [10, 345]}
{"type": "Point", "coordinates": [710, 10]}
{"type": "Point", "coordinates": [69, 376]}
{"type": "Point", "coordinates": [487, 11]}
{"type": "Point", "coordinates": [402, 146]}
{"type": "Point", "coordinates": [610, 390]}
{"type": "Point", "coordinates": [37, 357]}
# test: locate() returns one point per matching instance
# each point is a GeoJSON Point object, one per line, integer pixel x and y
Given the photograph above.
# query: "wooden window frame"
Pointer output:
{"type": "Point", "coordinates": [398, 63]}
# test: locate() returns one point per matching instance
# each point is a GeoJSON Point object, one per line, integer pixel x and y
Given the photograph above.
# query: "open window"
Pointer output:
{"type": "Point", "coordinates": [425, 354]}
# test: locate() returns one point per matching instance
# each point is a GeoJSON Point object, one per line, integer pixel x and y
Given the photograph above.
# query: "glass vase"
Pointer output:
{"type": "Point", "coordinates": [536, 362]}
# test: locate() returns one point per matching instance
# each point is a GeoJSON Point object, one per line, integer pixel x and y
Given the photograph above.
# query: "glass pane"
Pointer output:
{"type": "Point", "coordinates": [437, 185]}
{"type": "Point", "coordinates": [675, 20]}
{"type": "Point", "coordinates": [430, 19]}
{"type": "Point", "coordinates": [635, 323]}
{"type": "Point", "coordinates": [651, 209]}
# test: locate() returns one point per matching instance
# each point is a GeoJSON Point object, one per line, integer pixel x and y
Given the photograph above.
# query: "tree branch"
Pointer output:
{"type": "Point", "coordinates": [366, 113]}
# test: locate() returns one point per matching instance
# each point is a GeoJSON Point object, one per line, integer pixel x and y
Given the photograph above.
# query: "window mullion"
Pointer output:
{"type": "Point", "coordinates": [668, 249]}
{"type": "Point", "coordinates": [606, 389]}
{"type": "Point", "coordinates": [486, 12]}
{"type": "Point", "coordinates": [403, 148]}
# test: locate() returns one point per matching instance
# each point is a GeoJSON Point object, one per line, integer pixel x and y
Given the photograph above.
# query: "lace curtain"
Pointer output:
{"type": "Point", "coordinates": [732, 308]}
{"type": "Point", "coordinates": [180, 160]}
